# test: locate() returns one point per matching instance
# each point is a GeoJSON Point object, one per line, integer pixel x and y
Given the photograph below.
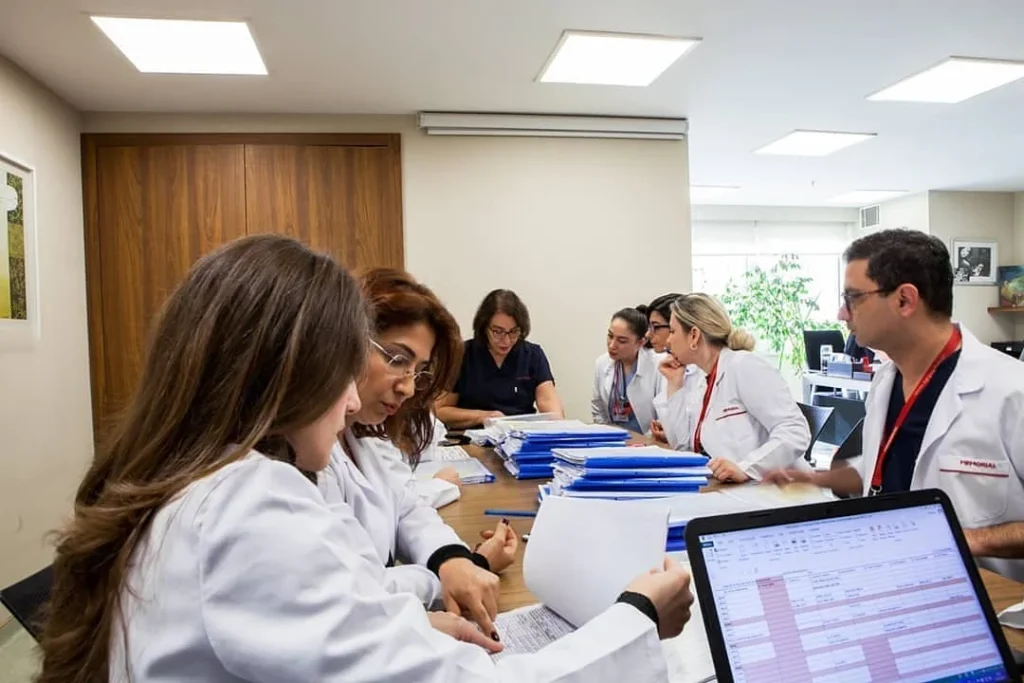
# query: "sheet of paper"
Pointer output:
{"type": "Point", "coordinates": [733, 499]}
{"type": "Point", "coordinates": [445, 454]}
{"type": "Point", "coordinates": [528, 629]}
{"type": "Point", "coordinates": [470, 470]}
{"type": "Point", "coordinates": [583, 552]}
{"type": "Point", "coordinates": [688, 655]}
{"type": "Point", "coordinates": [1013, 616]}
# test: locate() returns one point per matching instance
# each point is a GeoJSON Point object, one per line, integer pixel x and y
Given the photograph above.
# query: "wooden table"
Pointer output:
{"type": "Point", "coordinates": [466, 517]}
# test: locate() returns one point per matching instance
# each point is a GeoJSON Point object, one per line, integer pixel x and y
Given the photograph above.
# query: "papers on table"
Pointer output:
{"type": "Point", "coordinates": [528, 629]}
{"type": "Point", "coordinates": [445, 454]}
{"type": "Point", "coordinates": [471, 470]}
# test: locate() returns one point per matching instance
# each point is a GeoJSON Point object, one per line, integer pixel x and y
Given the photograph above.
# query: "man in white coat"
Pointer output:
{"type": "Point", "coordinates": [947, 411]}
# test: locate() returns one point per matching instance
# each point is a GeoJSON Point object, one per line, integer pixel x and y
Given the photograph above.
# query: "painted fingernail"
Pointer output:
{"type": "Point", "coordinates": [494, 637]}
{"type": "Point", "coordinates": [504, 520]}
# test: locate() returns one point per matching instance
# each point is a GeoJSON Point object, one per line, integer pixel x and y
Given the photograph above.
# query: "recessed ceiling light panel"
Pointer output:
{"type": "Point", "coordinates": [710, 193]}
{"type": "Point", "coordinates": [813, 143]}
{"type": "Point", "coordinates": [954, 80]}
{"type": "Point", "coordinates": [171, 46]}
{"type": "Point", "coordinates": [613, 58]}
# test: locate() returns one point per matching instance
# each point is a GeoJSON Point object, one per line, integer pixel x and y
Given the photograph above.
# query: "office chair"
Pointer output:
{"type": "Point", "coordinates": [25, 600]}
{"type": "Point", "coordinates": [851, 446]}
{"type": "Point", "coordinates": [816, 417]}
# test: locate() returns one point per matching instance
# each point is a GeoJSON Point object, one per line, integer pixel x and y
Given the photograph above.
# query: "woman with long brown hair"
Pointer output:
{"type": "Point", "coordinates": [200, 551]}
{"type": "Point", "coordinates": [416, 349]}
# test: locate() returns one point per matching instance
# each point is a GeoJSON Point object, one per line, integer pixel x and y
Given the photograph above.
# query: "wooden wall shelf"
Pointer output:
{"type": "Point", "coordinates": [1006, 309]}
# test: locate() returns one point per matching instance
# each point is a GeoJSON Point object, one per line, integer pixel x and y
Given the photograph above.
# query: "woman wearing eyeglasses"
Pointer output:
{"type": "Point", "coordinates": [502, 373]}
{"type": "Point", "coordinates": [414, 355]}
{"type": "Point", "coordinates": [658, 314]}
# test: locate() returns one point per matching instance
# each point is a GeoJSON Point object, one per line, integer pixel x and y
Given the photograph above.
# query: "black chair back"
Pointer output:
{"type": "Point", "coordinates": [817, 417]}
{"type": "Point", "coordinates": [25, 600]}
{"type": "Point", "coordinates": [852, 445]}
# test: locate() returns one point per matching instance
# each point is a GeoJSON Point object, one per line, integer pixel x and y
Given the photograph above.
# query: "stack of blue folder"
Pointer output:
{"type": "Point", "coordinates": [631, 473]}
{"type": "Point", "coordinates": [628, 472]}
{"type": "Point", "coordinates": [528, 449]}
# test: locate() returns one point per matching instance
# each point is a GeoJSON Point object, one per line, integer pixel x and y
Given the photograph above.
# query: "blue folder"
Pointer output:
{"type": "Point", "coordinates": [692, 484]}
{"type": "Point", "coordinates": [628, 457]}
{"type": "Point", "coordinates": [675, 545]}
{"type": "Point", "coordinates": [632, 472]}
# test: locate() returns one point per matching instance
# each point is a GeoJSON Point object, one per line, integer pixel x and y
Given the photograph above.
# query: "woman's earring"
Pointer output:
{"type": "Point", "coordinates": [693, 347]}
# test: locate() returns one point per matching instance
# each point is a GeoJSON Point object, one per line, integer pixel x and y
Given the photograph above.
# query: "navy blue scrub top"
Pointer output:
{"type": "Point", "coordinates": [898, 469]}
{"type": "Point", "coordinates": [512, 388]}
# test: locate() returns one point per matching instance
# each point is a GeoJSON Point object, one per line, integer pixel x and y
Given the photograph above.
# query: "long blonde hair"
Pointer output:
{"type": "Point", "coordinates": [709, 316]}
{"type": "Point", "coordinates": [261, 338]}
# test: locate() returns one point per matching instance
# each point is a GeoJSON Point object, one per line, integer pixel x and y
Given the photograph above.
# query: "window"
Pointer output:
{"type": "Point", "coordinates": [725, 250]}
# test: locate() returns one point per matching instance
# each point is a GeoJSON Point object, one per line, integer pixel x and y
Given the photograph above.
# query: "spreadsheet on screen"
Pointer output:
{"type": "Point", "coordinates": [883, 596]}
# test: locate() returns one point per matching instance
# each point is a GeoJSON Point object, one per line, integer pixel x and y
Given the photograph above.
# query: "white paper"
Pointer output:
{"type": "Point", "coordinates": [1013, 616]}
{"type": "Point", "coordinates": [735, 499]}
{"type": "Point", "coordinates": [470, 470]}
{"type": "Point", "coordinates": [528, 629]}
{"type": "Point", "coordinates": [688, 655]}
{"type": "Point", "coordinates": [583, 553]}
{"type": "Point", "coordinates": [445, 454]}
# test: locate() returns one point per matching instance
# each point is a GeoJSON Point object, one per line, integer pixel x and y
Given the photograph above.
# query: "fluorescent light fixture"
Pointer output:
{"type": "Point", "coordinates": [551, 126]}
{"type": "Point", "coordinates": [954, 80]}
{"type": "Point", "coordinates": [813, 143]}
{"type": "Point", "coordinates": [613, 58]}
{"type": "Point", "coordinates": [710, 193]}
{"type": "Point", "coordinates": [866, 197]}
{"type": "Point", "coordinates": [169, 46]}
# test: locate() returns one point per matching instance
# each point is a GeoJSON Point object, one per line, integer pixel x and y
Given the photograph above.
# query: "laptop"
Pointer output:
{"type": "Point", "coordinates": [870, 589]}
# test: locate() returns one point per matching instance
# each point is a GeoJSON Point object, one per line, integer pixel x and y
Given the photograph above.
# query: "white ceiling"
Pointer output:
{"type": "Point", "coordinates": [765, 67]}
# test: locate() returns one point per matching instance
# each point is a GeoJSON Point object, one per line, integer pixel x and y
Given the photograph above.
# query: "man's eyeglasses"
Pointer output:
{"type": "Point", "coordinates": [401, 365]}
{"type": "Point", "coordinates": [851, 297]}
{"type": "Point", "coordinates": [498, 334]}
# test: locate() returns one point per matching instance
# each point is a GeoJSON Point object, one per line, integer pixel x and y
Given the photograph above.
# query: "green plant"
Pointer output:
{"type": "Point", "coordinates": [776, 305]}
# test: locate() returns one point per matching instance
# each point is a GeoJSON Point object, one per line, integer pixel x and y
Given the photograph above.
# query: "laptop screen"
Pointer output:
{"type": "Point", "coordinates": [883, 596]}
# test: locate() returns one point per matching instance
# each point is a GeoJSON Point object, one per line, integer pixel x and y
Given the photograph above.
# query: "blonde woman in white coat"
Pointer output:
{"type": "Point", "coordinates": [199, 551]}
{"type": "Point", "coordinates": [626, 378]}
{"type": "Point", "coordinates": [741, 414]}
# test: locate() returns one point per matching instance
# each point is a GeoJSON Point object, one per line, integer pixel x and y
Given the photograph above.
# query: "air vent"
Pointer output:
{"type": "Point", "coordinates": [869, 217]}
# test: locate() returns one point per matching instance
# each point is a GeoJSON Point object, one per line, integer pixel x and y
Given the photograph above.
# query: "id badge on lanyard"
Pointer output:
{"type": "Point", "coordinates": [620, 409]}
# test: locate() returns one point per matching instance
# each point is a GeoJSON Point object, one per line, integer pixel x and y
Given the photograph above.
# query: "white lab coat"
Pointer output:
{"type": "Point", "coordinates": [399, 524]}
{"type": "Point", "coordinates": [248, 576]}
{"type": "Point", "coordinates": [973, 448]}
{"type": "Point", "coordinates": [645, 386]}
{"type": "Point", "coordinates": [751, 420]}
{"type": "Point", "coordinates": [433, 492]}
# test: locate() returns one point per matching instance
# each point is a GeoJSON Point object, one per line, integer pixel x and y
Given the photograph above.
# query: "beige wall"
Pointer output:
{"type": "Point", "coordinates": [45, 409]}
{"type": "Point", "coordinates": [906, 212]}
{"type": "Point", "coordinates": [976, 215]}
{"type": "Point", "coordinates": [579, 228]}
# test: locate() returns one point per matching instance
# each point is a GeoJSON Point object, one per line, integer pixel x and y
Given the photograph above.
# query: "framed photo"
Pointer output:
{"type": "Point", "coordinates": [19, 291]}
{"type": "Point", "coordinates": [975, 261]}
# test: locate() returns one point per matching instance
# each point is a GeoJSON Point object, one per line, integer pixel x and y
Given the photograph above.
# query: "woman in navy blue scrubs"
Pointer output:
{"type": "Point", "coordinates": [502, 373]}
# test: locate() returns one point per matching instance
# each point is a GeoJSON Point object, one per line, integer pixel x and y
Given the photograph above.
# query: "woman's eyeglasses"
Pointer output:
{"type": "Point", "coordinates": [401, 365]}
{"type": "Point", "coordinates": [498, 334]}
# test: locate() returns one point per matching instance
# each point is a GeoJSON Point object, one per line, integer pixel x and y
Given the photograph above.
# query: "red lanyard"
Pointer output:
{"type": "Point", "coordinates": [948, 350]}
{"type": "Point", "coordinates": [704, 408]}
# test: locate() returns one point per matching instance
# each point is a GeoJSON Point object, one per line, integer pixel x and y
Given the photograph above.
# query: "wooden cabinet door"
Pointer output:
{"type": "Point", "coordinates": [156, 203]}
{"type": "Point", "coordinates": [344, 200]}
{"type": "Point", "coordinates": [157, 209]}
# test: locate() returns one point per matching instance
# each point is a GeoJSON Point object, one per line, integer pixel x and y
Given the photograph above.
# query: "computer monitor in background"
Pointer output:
{"type": "Point", "coordinates": [815, 339]}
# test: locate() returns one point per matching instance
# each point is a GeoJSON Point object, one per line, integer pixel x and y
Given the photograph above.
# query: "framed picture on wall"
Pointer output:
{"type": "Point", "coordinates": [19, 300]}
{"type": "Point", "coordinates": [975, 261]}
